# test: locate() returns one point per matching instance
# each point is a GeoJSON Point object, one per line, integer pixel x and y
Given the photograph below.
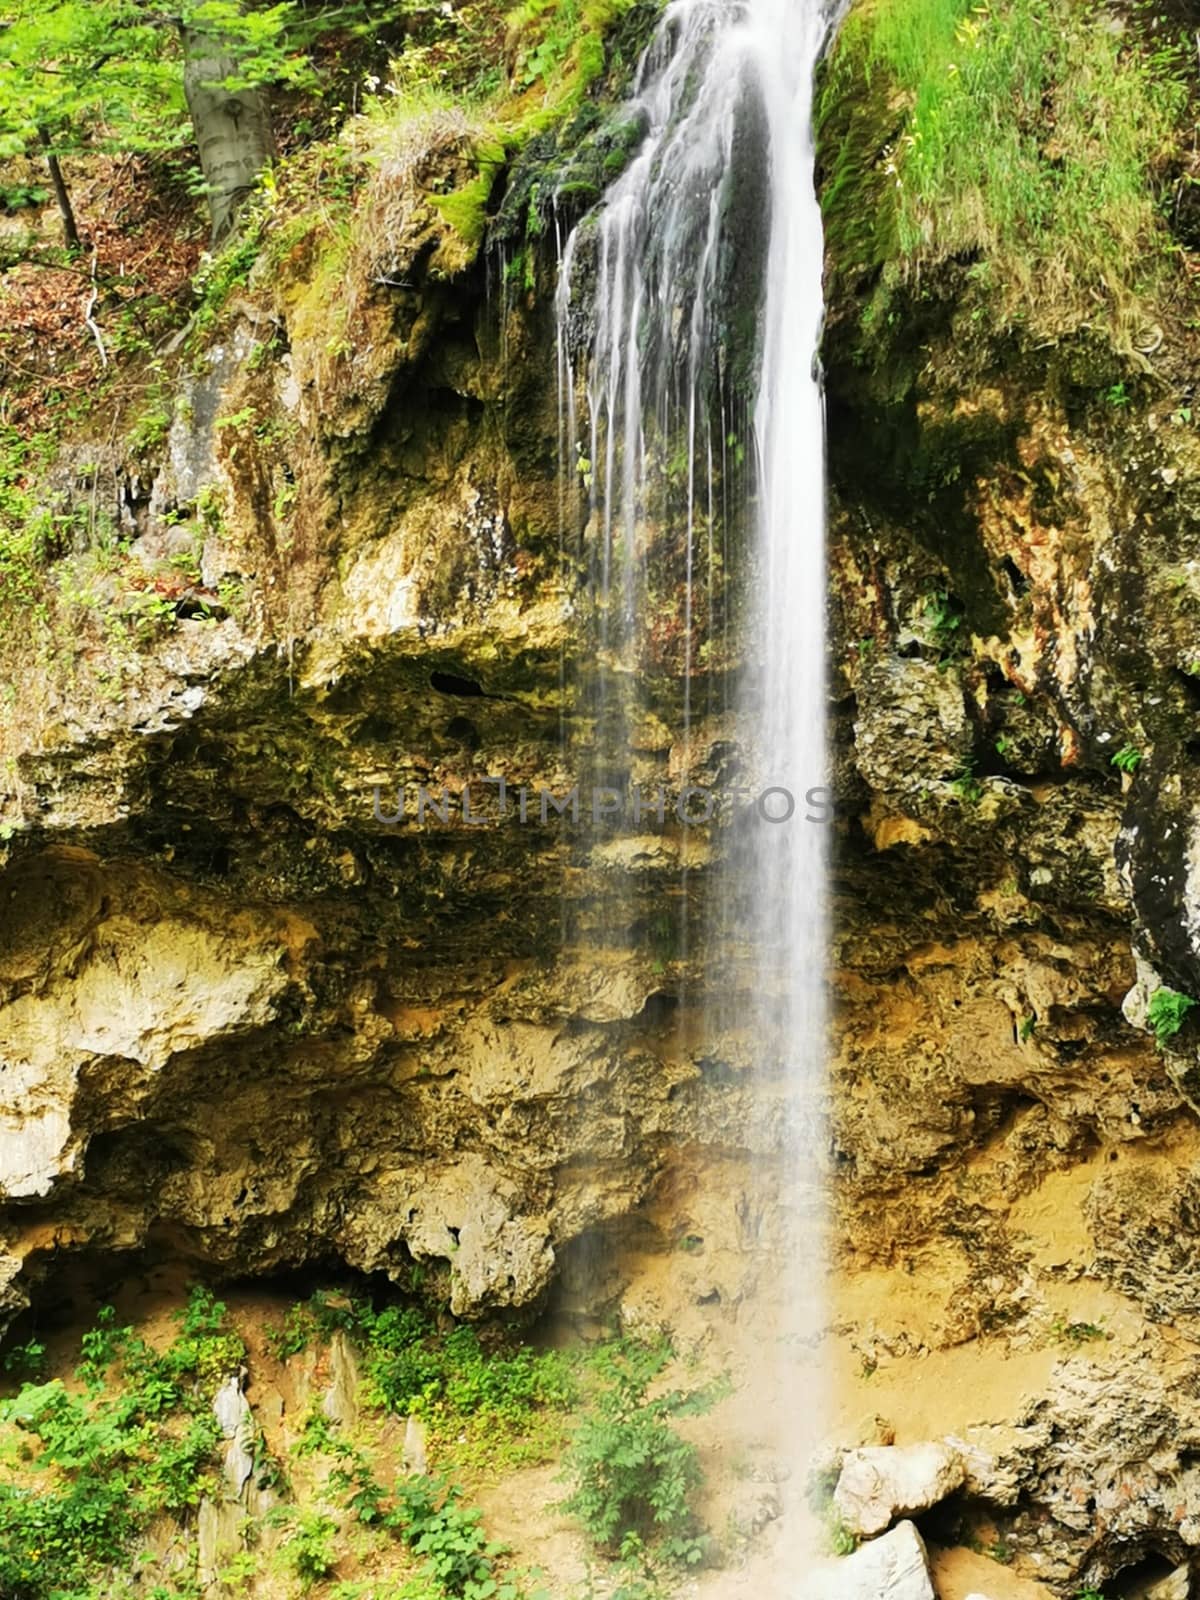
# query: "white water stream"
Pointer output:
{"type": "Point", "coordinates": [717, 211]}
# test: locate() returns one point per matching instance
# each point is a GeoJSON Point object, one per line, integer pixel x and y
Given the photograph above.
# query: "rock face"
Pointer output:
{"type": "Point", "coordinates": [297, 960]}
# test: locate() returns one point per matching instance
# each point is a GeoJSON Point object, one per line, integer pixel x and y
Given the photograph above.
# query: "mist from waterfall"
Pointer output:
{"type": "Point", "coordinates": [701, 430]}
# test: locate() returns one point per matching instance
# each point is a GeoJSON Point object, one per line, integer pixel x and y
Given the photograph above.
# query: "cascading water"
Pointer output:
{"type": "Point", "coordinates": [691, 304]}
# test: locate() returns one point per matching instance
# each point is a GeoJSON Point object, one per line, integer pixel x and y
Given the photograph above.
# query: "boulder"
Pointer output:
{"type": "Point", "coordinates": [895, 1567]}
{"type": "Point", "coordinates": [884, 1482]}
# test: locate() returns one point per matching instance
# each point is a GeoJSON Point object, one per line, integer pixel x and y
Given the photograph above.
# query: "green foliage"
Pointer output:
{"type": "Point", "coordinates": [149, 432]}
{"type": "Point", "coordinates": [965, 786]}
{"type": "Point", "coordinates": [632, 1472]}
{"type": "Point", "coordinates": [220, 275]}
{"type": "Point", "coordinates": [432, 1521]}
{"type": "Point", "coordinates": [33, 530]}
{"type": "Point", "coordinates": [1023, 135]}
{"type": "Point", "coordinates": [27, 1359]}
{"type": "Point", "coordinates": [1166, 1014]}
{"type": "Point", "coordinates": [944, 622]}
{"type": "Point", "coordinates": [557, 49]}
{"type": "Point", "coordinates": [107, 74]}
{"type": "Point", "coordinates": [1127, 759]}
{"type": "Point", "coordinates": [486, 1399]}
{"type": "Point", "coordinates": [560, 46]}
{"type": "Point", "coordinates": [310, 1550]}
{"type": "Point", "coordinates": [138, 1441]}
{"type": "Point", "coordinates": [1076, 1333]}
{"type": "Point", "coordinates": [841, 1541]}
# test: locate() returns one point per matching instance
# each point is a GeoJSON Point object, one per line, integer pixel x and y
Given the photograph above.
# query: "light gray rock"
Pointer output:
{"type": "Point", "coordinates": [895, 1567]}
{"type": "Point", "coordinates": [414, 1458]}
{"type": "Point", "coordinates": [884, 1482]}
{"type": "Point", "coordinates": [236, 1420]}
{"type": "Point", "coordinates": [340, 1404]}
{"type": "Point", "coordinates": [218, 1537]}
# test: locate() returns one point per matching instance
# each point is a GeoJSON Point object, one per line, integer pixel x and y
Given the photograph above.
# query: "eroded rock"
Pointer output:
{"type": "Point", "coordinates": [876, 1486]}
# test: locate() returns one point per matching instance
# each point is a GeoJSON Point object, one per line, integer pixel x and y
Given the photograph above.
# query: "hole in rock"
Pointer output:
{"type": "Point", "coordinates": [450, 683]}
{"type": "Point", "coordinates": [1189, 682]}
{"type": "Point", "coordinates": [658, 1007]}
{"type": "Point", "coordinates": [1132, 1582]}
{"type": "Point", "coordinates": [192, 606]}
{"type": "Point", "coordinates": [464, 731]}
{"type": "Point", "coordinates": [1018, 580]}
{"type": "Point", "coordinates": [377, 729]}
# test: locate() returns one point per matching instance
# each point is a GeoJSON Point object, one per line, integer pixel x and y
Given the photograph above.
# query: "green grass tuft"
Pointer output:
{"type": "Point", "coordinates": [1028, 138]}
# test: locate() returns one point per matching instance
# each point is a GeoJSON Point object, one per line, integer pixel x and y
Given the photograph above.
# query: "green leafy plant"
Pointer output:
{"type": "Point", "coordinates": [310, 1550]}
{"type": "Point", "coordinates": [1076, 1333]}
{"type": "Point", "coordinates": [431, 1519]}
{"type": "Point", "coordinates": [137, 1440]}
{"type": "Point", "coordinates": [944, 621]}
{"type": "Point", "coordinates": [148, 434]}
{"type": "Point", "coordinates": [633, 1473]}
{"type": "Point", "coordinates": [965, 785]}
{"type": "Point", "coordinates": [841, 1541]}
{"type": "Point", "coordinates": [27, 1359]}
{"type": "Point", "coordinates": [1117, 395]}
{"type": "Point", "coordinates": [1127, 759]}
{"type": "Point", "coordinates": [1167, 1013]}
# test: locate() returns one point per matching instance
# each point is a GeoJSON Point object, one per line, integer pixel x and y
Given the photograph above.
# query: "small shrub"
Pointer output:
{"type": "Point", "coordinates": [310, 1550]}
{"type": "Point", "coordinates": [435, 1525]}
{"type": "Point", "coordinates": [1166, 1014]}
{"type": "Point", "coordinates": [1076, 1333]}
{"type": "Point", "coordinates": [633, 1473]}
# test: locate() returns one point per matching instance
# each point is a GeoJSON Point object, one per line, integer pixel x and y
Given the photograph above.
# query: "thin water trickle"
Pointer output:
{"type": "Point", "coordinates": [690, 305]}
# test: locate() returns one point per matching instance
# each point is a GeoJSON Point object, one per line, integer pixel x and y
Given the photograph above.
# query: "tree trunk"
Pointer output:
{"type": "Point", "coordinates": [61, 193]}
{"type": "Point", "coordinates": [233, 128]}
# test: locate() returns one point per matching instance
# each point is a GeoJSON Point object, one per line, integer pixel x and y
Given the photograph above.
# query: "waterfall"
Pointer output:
{"type": "Point", "coordinates": [689, 304]}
